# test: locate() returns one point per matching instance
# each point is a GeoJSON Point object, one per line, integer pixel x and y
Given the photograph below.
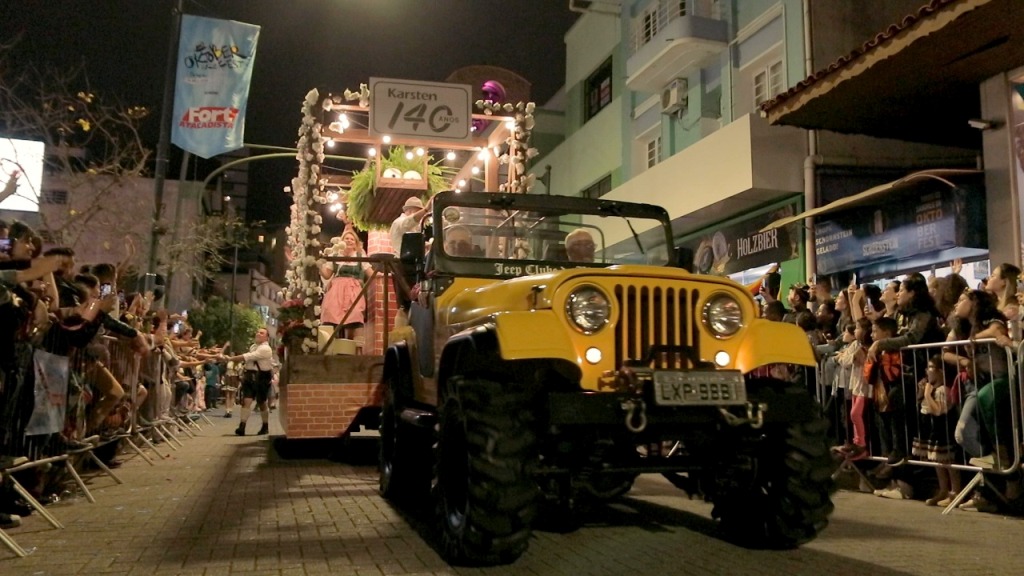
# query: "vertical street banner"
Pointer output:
{"type": "Point", "coordinates": [215, 59]}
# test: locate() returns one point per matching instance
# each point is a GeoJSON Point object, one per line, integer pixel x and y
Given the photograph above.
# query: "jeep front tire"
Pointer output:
{"type": "Point", "coordinates": [485, 498]}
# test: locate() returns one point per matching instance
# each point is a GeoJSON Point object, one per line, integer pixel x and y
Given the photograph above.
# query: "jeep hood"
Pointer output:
{"type": "Point", "coordinates": [536, 292]}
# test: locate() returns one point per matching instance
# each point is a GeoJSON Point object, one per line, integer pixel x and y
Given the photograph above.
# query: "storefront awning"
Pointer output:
{"type": "Point", "coordinates": [875, 195]}
{"type": "Point", "coordinates": [916, 80]}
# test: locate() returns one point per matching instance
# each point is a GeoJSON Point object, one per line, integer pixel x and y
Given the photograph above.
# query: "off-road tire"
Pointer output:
{"type": "Point", "coordinates": [485, 498]}
{"type": "Point", "coordinates": [787, 501]}
{"type": "Point", "coordinates": [404, 466]}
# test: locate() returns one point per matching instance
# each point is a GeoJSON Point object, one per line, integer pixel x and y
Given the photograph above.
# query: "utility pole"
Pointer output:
{"type": "Point", "coordinates": [164, 144]}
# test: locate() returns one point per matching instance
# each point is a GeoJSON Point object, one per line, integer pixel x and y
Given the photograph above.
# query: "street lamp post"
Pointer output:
{"type": "Point", "coordinates": [231, 303]}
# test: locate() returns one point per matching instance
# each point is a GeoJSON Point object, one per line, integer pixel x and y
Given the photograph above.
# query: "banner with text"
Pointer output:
{"type": "Point", "coordinates": [906, 226]}
{"type": "Point", "coordinates": [215, 59]}
{"type": "Point", "coordinates": [741, 246]}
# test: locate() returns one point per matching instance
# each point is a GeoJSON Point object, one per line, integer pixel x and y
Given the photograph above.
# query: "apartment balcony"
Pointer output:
{"type": "Point", "coordinates": [743, 166]}
{"type": "Point", "coordinates": [672, 39]}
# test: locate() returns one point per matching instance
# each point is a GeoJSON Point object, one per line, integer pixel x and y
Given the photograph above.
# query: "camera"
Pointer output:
{"type": "Point", "coordinates": [106, 290]}
{"type": "Point", "coordinates": [5, 245]}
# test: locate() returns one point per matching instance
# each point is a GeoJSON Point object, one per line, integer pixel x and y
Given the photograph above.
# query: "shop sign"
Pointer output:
{"type": "Point", "coordinates": [430, 110]}
{"type": "Point", "coordinates": [742, 246]}
{"type": "Point", "coordinates": [902, 228]}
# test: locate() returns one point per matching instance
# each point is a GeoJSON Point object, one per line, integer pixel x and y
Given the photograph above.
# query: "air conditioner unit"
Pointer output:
{"type": "Point", "coordinates": [673, 97]}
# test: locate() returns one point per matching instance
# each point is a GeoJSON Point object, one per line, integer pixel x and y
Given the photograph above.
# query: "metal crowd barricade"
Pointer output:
{"type": "Point", "coordinates": [981, 383]}
{"type": "Point", "coordinates": [72, 445]}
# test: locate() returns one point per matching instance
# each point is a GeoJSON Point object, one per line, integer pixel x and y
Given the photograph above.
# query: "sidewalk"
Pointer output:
{"type": "Point", "coordinates": [228, 505]}
{"type": "Point", "coordinates": [224, 504]}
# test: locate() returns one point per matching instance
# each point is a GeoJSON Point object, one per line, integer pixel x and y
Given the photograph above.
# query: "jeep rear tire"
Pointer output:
{"type": "Point", "coordinates": [785, 501]}
{"type": "Point", "coordinates": [485, 498]}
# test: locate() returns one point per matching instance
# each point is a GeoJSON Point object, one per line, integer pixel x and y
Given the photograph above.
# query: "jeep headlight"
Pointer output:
{"type": "Point", "coordinates": [723, 315]}
{"type": "Point", "coordinates": [588, 309]}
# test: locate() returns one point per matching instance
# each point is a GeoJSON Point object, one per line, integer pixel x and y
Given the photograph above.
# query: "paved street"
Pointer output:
{"type": "Point", "coordinates": [229, 505]}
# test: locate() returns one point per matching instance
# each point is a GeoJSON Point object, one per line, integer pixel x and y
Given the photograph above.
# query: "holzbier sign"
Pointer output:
{"type": "Point", "coordinates": [433, 110]}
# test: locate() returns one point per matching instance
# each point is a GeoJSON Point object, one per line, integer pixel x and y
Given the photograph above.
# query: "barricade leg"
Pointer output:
{"type": "Point", "coordinates": [28, 496]}
{"type": "Point", "coordinates": [10, 543]}
{"type": "Point", "coordinates": [106, 469]}
{"type": "Point", "coordinates": [79, 481]}
{"type": "Point", "coordinates": [137, 450]}
{"type": "Point", "coordinates": [169, 440]}
{"type": "Point", "coordinates": [978, 479]}
{"type": "Point", "coordinates": [152, 446]}
{"type": "Point", "coordinates": [167, 428]}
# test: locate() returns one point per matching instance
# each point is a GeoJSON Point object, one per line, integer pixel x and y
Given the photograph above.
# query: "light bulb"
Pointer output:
{"type": "Point", "coordinates": [409, 155]}
{"type": "Point", "coordinates": [371, 152]}
{"type": "Point", "coordinates": [451, 155]}
{"type": "Point", "coordinates": [475, 170]}
{"type": "Point", "coordinates": [483, 154]}
{"type": "Point", "coordinates": [462, 183]}
{"type": "Point", "coordinates": [420, 151]}
{"type": "Point", "coordinates": [386, 139]}
{"type": "Point", "coordinates": [330, 143]}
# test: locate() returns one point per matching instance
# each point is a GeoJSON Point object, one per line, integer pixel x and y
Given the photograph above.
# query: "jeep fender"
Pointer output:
{"type": "Point", "coordinates": [767, 342]}
{"type": "Point", "coordinates": [398, 372]}
{"type": "Point", "coordinates": [508, 336]}
{"type": "Point", "coordinates": [472, 350]}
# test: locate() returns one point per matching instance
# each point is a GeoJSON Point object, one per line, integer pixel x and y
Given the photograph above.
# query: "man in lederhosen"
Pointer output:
{"type": "Point", "coordinates": [259, 364]}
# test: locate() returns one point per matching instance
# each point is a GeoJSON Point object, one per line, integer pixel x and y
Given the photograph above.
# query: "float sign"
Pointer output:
{"type": "Point", "coordinates": [428, 110]}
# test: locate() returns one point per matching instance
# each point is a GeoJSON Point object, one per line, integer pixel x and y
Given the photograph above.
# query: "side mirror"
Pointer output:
{"type": "Point", "coordinates": [683, 258]}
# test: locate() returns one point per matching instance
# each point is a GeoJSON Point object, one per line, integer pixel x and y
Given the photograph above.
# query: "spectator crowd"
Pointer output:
{"type": "Point", "coordinates": [87, 356]}
{"type": "Point", "coordinates": [919, 370]}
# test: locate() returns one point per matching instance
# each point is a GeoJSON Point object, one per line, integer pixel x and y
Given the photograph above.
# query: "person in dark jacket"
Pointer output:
{"type": "Point", "coordinates": [920, 325]}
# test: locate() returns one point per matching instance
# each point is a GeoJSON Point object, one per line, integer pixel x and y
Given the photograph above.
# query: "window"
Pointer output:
{"type": "Point", "coordinates": [768, 83]}
{"type": "Point", "coordinates": [598, 90]}
{"type": "Point", "coordinates": [599, 188]}
{"type": "Point", "coordinates": [653, 151]}
{"type": "Point", "coordinates": [54, 197]}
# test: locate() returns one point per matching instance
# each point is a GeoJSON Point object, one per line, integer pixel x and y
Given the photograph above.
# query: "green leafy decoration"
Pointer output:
{"type": "Point", "coordinates": [364, 185]}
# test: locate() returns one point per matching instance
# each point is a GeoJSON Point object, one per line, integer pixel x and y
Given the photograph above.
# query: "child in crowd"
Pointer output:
{"type": "Point", "coordinates": [882, 375]}
{"type": "Point", "coordinates": [938, 423]}
{"type": "Point", "coordinates": [852, 358]}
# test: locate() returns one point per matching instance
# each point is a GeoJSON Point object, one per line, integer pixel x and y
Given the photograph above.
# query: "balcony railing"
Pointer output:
{"type": "Point", "coordinates": [655, 18]}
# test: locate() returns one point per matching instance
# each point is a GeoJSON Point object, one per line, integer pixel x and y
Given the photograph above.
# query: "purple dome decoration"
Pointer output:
{"type": "Point", "coordinates": [493, 91]}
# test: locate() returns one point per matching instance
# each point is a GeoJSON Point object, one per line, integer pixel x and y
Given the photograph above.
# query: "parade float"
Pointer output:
{"type": "Point", "coordinates": [329, 385]}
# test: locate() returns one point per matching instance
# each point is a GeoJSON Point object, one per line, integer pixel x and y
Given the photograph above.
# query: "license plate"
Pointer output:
{"type": "Point", "coordinates": [699, 388]}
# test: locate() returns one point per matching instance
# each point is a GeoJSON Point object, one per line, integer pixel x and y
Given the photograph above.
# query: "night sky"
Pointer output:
{"type": "Point", "coordinates": [330, 45]}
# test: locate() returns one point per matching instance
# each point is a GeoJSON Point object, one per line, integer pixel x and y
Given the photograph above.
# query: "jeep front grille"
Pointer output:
{"type": "Point", "coordinates": [652, 315]}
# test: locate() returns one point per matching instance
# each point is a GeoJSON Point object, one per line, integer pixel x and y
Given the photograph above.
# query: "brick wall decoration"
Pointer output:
{"type": "Point", "coordinates": [321, 395]}
{"type": "Point", "coordinates": [379, 241]}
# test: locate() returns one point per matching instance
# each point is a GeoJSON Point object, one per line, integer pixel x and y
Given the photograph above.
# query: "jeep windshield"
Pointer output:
{"type": "Point", "coordinates": [497, 234]}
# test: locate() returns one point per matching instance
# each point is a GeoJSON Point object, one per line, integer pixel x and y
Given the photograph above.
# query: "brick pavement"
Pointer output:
{"type": "Point", "coordinates": [226, 505]}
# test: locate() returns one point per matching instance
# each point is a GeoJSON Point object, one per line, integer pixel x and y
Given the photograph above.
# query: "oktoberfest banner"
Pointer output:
{"type": "Point", "coordinates": [215, 59]}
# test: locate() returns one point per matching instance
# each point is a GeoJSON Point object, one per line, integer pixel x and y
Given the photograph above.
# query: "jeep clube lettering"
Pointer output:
{"type": "Point", "coordinates": [555, 352]}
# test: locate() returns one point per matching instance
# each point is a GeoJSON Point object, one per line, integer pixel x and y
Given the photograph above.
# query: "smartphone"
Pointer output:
{"type": "Point", "coordinates": [853, 279]}
{"type": "Point", "coordinates": [5, 245]}
{"type": "Point", "coordinates": [106, 290]}
{"type": "Point", "coordinates": [176, 328]}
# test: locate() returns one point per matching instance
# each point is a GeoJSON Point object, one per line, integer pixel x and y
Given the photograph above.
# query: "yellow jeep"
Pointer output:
{"type": "Point", "coordinates": [543, 367]}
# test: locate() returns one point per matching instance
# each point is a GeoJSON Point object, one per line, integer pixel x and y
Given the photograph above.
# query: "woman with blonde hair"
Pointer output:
{"type": "Point", "coordinates": [343, 292]}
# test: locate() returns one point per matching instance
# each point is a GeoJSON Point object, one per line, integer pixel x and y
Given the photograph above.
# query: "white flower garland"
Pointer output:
{"type": "Point", "coordinates": [519, 150]}
{"type": "Point", "coordinates": [307, 191]}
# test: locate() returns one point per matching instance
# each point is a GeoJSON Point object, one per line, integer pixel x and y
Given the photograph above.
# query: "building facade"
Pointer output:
{"type": "Point", "coordinates": [662, 104]}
